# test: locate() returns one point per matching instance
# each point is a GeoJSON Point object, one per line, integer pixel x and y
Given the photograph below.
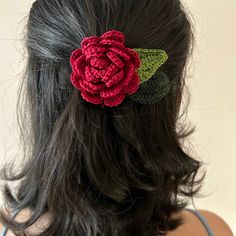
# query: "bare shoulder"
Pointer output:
{"type": "Point", "coordinates": [24, 215]}
{"type": "Point", "coordinates": [193, 226]}
{"type": "Point", "coordinates": [217, 223]}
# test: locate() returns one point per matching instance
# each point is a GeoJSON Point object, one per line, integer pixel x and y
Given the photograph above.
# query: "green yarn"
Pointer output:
{"type": "Point", "coordinates": [154, 84]}
{"type": "Point", "coordinates": [152, 90]}
{"type": "Point", "coordinates": [151, 60]}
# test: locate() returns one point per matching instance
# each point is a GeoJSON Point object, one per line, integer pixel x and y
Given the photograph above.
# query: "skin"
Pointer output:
{"type": "Point", "coordinates": [192, 225]}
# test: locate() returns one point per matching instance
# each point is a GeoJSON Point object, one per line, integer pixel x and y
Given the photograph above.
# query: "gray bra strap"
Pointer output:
{"type": "Point", "coordinates": [4, 229]}
{"type": "Point", "coordinates": [203, 220]}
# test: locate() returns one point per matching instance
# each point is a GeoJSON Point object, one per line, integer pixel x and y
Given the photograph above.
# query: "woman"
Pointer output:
{"type": "Point", "coordinates": [116, 169]}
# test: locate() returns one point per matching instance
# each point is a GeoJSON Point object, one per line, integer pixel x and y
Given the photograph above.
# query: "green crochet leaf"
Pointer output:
{"type": "Point", "coordinates": [152, 90]}
{"type": "Point", "coordinates": [151, 60]}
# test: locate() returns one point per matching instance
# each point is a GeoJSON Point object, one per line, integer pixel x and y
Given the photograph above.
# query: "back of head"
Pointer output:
{"type": "Point", "coordinates": [111, 171]}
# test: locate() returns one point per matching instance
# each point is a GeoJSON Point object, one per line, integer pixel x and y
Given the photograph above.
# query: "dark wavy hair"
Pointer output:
{"type": "Point", "coordinates": [113, 171]}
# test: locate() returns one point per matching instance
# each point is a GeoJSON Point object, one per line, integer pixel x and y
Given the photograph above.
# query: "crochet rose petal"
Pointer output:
{"type": "Point", "coordinates": [129, 72]}
{"type": "Point", "coordinates": [93, 98]}
{"type": "Point", "coordinates": [112, 42]}
{"type": "Point", "coordinates": [75, 55]}
{"type": "Point", "coordinates": [100, 62]}
{"type": "Point", "coordinates": [115, 59]}
{"type": "Point", "coordinates": [79, 66]}
{"type": "Point", "coordinates": [96, 51]}
{"type": "Point", "coordinates": [89, 41]}
{"type": "Point", "coordinates": [134, 57]}
{"type": "Point", "coordinates": [113, 38]}
{"type": "Point", "coordinates": [89, 76]}
{"type": "Point", "coordinates": [98, 73]}
{"type": "Point", "coordinates": [93, 86]}
{"type": "Point", "coordinates": [75, 81]}
{"type": "Point", "coordinates": [114, 35]}
{"type": "Point", "coordinates": [133, 86]}
{"type": "Point", "coordinates": [121, 53]}
{"type": "Point", "coordinates": [115, 79]}
{"type": "Point", "coordinates": [83, 84]}
{"type": "Point", "coordinates": [110, 92]}
{"type": "Point", "coordinates": [112, 70]}
{"type": "Point", "coordinates": [114, 101]}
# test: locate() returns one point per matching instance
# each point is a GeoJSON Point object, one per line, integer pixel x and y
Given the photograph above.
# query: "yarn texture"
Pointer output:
{"type": "Point", "coordinates": [153, 90]}
{"type": "Point", "coordinates": [151, 60]}
{"type": "Point", "coordinates": [104, 70]}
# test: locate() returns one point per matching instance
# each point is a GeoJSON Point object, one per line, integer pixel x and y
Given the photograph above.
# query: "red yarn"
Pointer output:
{"type": "Point", "coordinates": [104, 70]}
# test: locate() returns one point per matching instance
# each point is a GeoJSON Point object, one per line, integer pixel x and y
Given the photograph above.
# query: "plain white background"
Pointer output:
{"type": "Point", "coordinates": [211, 80]}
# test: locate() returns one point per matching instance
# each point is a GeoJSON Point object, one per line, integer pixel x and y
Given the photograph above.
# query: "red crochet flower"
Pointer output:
{"type": "Point", "coordinates": [104, 70]}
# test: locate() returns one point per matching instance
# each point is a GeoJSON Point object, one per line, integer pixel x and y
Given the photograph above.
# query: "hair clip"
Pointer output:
{"type": "Point", "coordinates": [106, 72]}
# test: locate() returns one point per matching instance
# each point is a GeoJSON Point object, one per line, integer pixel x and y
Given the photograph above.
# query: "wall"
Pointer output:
{"type": "Point", "coordinates": [212, 83]}
{"type": "Point", "coordinates": [211, 80]}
